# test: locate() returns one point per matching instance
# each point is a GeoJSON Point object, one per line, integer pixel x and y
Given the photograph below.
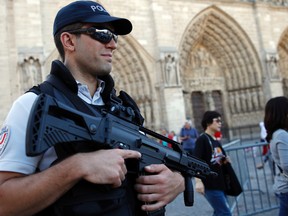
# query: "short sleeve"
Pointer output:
{"type": "Point", "coordinates": [12, 145]}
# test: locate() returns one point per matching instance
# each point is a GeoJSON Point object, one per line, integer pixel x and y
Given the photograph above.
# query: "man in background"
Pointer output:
{"type": "Point", "coordinates": [188, 136]}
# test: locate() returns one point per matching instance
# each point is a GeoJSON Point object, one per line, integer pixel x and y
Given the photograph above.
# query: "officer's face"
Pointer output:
{"type": "Point", "coordinates": [91, 56]}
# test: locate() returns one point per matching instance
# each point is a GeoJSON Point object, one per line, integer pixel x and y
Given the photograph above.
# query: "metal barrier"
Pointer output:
{"type": "Point", "coordinates": [247, 132]}
{"type": "Point", "coordinates": [257, 183]}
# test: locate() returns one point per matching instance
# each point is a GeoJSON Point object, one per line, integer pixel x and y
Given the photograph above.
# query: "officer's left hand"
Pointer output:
{"type": "Point", "coordinates": [160, 188]}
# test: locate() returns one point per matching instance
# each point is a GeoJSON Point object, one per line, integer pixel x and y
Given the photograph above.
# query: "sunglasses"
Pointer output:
{"type": "Point", "coordinates": [218, 120]}
{"type": "Point", "coordinates": [102, 35]}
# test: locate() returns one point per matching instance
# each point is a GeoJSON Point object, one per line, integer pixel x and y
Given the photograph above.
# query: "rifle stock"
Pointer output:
{"type": "Point", "coordinates": [52, 123]}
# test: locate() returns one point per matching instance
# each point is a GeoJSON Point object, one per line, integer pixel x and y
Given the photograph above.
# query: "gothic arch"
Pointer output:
{"type": "Point", "coordinates": [228, 44]}
{"type": "Point", "coordinates": [131, 74]}
{"type": "Point", "coordinates": [239, 68]}
{"type": "Point", "coordinates": [283, 42]}
{"type": "Point", "coordinates": [283, 59]}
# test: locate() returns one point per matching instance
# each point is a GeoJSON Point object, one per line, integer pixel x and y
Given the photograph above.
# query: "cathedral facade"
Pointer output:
{"type": "Point", "coordinates": [183, 57]}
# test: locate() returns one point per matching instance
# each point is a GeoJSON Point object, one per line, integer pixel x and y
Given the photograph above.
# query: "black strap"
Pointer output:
{"type": "Point", "coordinates": [211, 145]}
{"type": "Point", "coordinates": [281, 170]}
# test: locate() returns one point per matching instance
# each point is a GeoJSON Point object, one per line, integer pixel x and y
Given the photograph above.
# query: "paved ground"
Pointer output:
{"type": "Point", "coordinates": [200, 208]}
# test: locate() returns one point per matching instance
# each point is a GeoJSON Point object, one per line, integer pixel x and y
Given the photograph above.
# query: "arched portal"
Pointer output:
{"type": "Point", "coordinates": [203, 101]}
{"type": "Point", "coordinates": [283, 60]}
{"type": "Point", "coordinates": [217, 56]}
{"type": "Point", "coordinates": [131, 75]}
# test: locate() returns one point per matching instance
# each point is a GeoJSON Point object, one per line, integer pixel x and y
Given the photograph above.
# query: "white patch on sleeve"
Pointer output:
{"type": "Point", "coordinates": [4, 137]}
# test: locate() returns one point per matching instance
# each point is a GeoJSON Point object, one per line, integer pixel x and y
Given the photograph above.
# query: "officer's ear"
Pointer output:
{"type": "Point", "coordinates": [68, 41]}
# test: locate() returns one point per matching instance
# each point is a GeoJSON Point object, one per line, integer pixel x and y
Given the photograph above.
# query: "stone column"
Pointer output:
{"type": "Point", "coordinates": [172, 91]}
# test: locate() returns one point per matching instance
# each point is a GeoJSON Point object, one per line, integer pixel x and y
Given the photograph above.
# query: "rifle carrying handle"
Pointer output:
{"type": "Point", "coordinates": [189, 192]}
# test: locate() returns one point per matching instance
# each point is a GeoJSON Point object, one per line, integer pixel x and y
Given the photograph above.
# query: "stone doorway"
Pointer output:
{"type": "Point", "coordinates": [203, 101]}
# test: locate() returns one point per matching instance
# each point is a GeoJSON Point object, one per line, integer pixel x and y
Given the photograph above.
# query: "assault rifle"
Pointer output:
{"type": "Point", "coordinates": [52, 123]}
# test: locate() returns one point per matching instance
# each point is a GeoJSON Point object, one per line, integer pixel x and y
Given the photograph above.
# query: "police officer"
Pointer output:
{"type": "Point", "coordinates": [69, 181]}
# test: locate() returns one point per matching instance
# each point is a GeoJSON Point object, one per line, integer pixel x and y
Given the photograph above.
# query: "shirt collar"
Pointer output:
{"type": "Point", "coordinates": [84, 94]}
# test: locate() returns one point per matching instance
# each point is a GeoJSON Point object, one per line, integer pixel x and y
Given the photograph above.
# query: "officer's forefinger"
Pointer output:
{"type": "Point", "coordinates": [130, 154]}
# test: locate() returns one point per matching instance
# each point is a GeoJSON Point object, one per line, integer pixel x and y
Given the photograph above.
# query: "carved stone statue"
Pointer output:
{"type": "Point", "coordinates": [272, 65]}
{"type": "Point", "coordinates": [30, 73]}
{"type": "Point", "coordinates": [171, 73]}
{"type": "Point", "coordinates": [210, 100]}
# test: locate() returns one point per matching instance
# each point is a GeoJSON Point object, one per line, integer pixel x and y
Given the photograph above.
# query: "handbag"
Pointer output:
{"type": "Point", "coordinates": [232, 184]}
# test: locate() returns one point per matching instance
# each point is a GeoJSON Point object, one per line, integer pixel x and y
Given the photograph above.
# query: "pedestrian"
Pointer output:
{"type": "Point", "coordinates": [165, 134]}
{"type": "Point", "coordinates": [276, 124]}
{"type": "Point", "coordinates": [209, 149]}
{"type": "Point", "coordinates": [79, 183]}
{"type": "Point", "coordinates": [265, 148]}
{"type": "Point", "coordinates": [172, 135]}
{"type": "Point", "coordinates": [188, 136]}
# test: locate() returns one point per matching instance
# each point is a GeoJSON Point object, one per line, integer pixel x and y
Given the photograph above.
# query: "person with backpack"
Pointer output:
{"type": "Point", "coordinates": [66, 179]}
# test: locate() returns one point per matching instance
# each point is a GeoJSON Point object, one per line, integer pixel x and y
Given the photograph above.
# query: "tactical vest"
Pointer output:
{"type": "Point", "coordinates": [85, 198]}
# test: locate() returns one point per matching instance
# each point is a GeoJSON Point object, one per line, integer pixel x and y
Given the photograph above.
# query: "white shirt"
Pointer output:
{"type": "Point", "coordinates": [13, 156]}
{"type": "Point", "coordinates": [263, 132]}
{"type": "Point", "coordinates": [84, 94]}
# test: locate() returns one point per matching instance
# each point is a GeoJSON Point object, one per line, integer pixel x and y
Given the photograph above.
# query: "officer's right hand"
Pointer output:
{"type": "Point", "coordinates": [105, 166]}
